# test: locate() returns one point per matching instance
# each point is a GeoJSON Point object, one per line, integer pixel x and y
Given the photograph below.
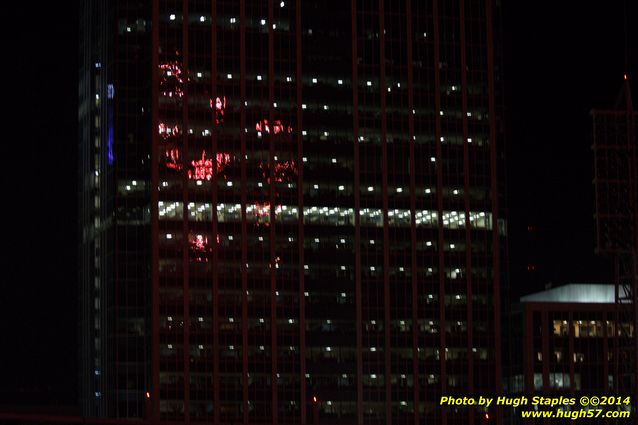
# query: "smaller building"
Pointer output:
{"type": "Point", "coordinates": [570, 339]}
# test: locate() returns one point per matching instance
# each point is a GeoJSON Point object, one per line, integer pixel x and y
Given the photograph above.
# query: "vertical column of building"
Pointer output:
{"type": "Point", "coordinates": [186, 352]}
{"type": "Point", "coordinates": [467, 208]}
{"type": "Point", "coordinates": [302, 352]}
{"type": "Point", "coordinates": [387, 349]}
{"type": "Point", "coordinates": [274, 207]}
{"type": "Point", "coordinates": [154, 392]}
{"type": "Point", "coordinates": [416, 375]}
{"type": "Point", "coordinates": [215, 319]}
{"type": "Point", "coordinates": [423, 69]}
{"type": "Point", "coordinates": [439, 205]}
{"type": "Point", "coordinates": [357, 214]}
{"type": "Point", "coordinates": [495, 190]}
{"type": "Point", "coordinates": [244, 201]}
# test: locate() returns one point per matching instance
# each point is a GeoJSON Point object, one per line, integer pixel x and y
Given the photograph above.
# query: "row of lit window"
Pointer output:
{"type": "Point", "coordinates": [260, 213]}
{"type": "Point", "coordinates": [591, 328]}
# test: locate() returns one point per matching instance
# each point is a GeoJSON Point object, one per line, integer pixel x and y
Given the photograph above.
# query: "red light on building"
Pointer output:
{"type": "Point", "coordinates": [275, 128]}
{"type": "Point", "coordinates": [199, 248]}
{"type": "Point", "coordinates": [284, 171]}
{"type": "Point", "coordinates": [166, 131]}
{"type": "Point", "coordinates": [220, 108]}
{"type": "Point", "coordinates": [203, 168]}
{"type": "Point", "coordinates": [172, 159]}
{"type": "Point", "coordinates": [171, 80]}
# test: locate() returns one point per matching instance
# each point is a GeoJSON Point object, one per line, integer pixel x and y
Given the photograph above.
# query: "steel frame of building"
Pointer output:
{"type": "Point", "coordinates": [616, 188]}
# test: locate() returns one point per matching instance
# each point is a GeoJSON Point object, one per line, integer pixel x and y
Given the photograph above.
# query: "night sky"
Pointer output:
{"type": "Point", "coordinates": [561, 60]}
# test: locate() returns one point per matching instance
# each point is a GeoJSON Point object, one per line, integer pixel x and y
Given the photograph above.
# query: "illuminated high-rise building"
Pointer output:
{"type": "Point", "coordinates": [291, 211]}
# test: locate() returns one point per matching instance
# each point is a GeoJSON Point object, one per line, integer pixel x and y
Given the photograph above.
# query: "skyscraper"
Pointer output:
{"type": "Point", "coordinates": [291, 211]}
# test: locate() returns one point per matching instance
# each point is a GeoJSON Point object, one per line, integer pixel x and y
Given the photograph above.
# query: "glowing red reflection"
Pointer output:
{"type": "Point", "coordinates": [172, 159]}
{"type": "Point", "coordinates": [199, 248]}
{"type": "Point", "coordinates": [166, 131]}
{"type": "Point", "coordinates": [275, 128]}
{"type": "Point", "coordinates": [262, 213]}
{"type": "Point", "coordinates": [284, 171]}
{"type": "Point", "coordinates": [171, 79]}
{"type": "Point", "coordinates": [220, 108]}
{"type": "Point", "coordinates": [203, 168]}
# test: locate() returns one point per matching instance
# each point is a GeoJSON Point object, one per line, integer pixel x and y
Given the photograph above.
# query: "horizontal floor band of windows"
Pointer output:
{"type": "Point", "coordinates": [260, 213]}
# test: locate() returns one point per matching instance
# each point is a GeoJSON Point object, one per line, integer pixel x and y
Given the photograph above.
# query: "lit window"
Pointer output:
{"type": "Point", "coordinates": [199, 75]}
{"type": "Point", "coordinates": [233, 20]}
{"type": "Point", "coordinates": [340, 82]}
{"type": "Point", "coordinates": [314, 81]}
{"type": "Point", "coordinates": [304, 159]}
{"type": "Point", "coordinates": [274, 104]}
{"type": "Point", "coordinates": [469, 140]}
{"type": "Point", "coordinates": [341, 187]}
{"type": "Point", "coordinates": [325, 107]}
{"type": "Point", "coordinates": [282, 4]}
{"type": "Point", "coordinates": [229, 76]}
{"type": "Point", "coordinates": [303, 106]}
{"type": "Point", "coordinates": [369, 83]}
{"type": "Point", "coordinates": [442, 139]}
{"type": "Point", "coordinates": [399, 189]}
{"type": "Point", "coordinates": [370, 188]}
{"type": "Point", "coordinates": [263, 22]}
{"type": "Point", "coordinates": [169, 236]}
{"type": "Point", "coordinates": [288, 79]}
{"type": "Point", "coordinates": [432, 159]}
{"type": "Point", "coordinates": [304, 133]}
{"type": "Point", "coordinates": [172, 17]}
{"type": "Point", "coordinates": [202, 19]}
{"type": "Point", "coordinates": [259, 78]}
{"type": "Point", "coordinates": [428, 243]}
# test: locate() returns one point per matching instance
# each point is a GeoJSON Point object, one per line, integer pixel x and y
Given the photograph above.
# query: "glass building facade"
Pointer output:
{"type": "Point", "coordinates": [291, 210]}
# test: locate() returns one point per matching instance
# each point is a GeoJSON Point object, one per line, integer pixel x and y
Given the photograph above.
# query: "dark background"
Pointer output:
{"type": "Point", "coordinates": [561, 60]}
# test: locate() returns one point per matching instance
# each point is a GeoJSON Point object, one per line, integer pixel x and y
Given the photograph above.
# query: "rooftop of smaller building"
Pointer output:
{"type": "Point", "coordinates": [574, 293]}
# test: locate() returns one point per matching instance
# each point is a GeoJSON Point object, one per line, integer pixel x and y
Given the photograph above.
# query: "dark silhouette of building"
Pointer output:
{"type": "Point", "coordinates": [291, 211]}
